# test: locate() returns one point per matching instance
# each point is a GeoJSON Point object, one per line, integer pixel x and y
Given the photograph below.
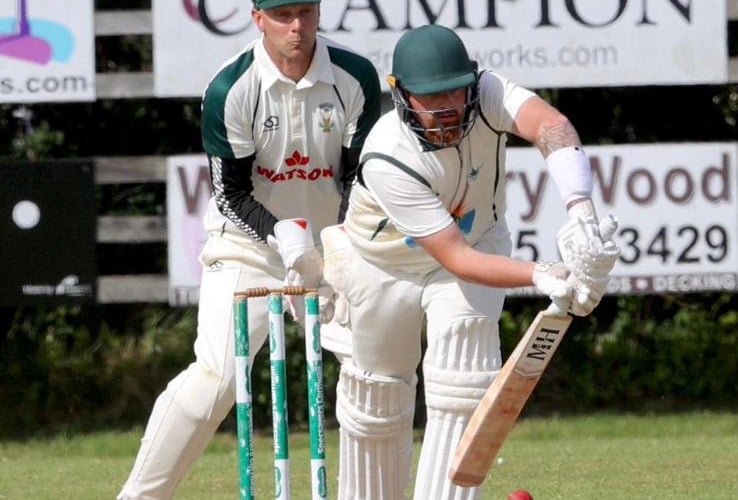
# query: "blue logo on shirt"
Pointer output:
{"type": "Point", "coordinates": [465, 223]}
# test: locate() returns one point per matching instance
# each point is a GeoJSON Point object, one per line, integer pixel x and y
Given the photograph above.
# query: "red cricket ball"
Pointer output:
{"type": "Point", "coordinates": [520, 495]}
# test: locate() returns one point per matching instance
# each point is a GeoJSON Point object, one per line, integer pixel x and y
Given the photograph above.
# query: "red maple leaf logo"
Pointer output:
{"type": "Point", "coordinates": [297, 159]}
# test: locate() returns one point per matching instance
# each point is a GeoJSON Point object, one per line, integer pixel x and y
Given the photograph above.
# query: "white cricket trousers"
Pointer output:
{"type": "Point", "coordinates": [189, 411]}
{"type": "Point", "coordinates": [388, 309]}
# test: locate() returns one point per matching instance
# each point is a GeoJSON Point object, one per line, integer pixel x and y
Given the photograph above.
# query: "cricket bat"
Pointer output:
{"type": "Point", "coordinates": [501, 405]}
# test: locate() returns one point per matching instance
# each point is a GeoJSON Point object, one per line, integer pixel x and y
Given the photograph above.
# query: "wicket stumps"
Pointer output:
{"type": "Point", "coordinates": [314, 361]}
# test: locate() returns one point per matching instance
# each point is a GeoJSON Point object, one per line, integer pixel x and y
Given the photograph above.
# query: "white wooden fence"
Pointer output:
{"type": "Point", "coordinates": [125, 229]}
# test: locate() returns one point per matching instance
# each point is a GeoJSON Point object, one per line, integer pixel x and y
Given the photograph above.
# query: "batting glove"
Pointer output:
{"type": "Point", "coordinates": [550, 278]}
{"type": "Point", "coordinates": [588, 293]}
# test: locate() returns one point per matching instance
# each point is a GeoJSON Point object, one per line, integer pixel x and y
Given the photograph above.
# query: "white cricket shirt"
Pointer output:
{"type": "Point", "coordinates": [462, 184]}
{"type": "Point", "coordinates": [295, 130]}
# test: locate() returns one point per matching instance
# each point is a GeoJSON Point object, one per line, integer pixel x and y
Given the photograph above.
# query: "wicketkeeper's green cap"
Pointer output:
{"type": "Point", "coordinates": [432, 59]}
{"type": "Point", "coordinates": [273, 4]}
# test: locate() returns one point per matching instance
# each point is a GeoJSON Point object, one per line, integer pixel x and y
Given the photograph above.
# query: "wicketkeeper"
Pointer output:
{"type": "Point", "coordinates": [283, 123]}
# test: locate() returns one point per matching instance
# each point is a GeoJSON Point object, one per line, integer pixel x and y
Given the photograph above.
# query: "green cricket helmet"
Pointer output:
{"type": "Point", "coordinates": [429, 60]}
{"type": "Point", "coordinates": [273, 4]}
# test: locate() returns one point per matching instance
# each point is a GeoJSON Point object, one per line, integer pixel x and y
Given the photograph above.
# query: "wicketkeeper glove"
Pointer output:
{"type": "Point", "coordinates": [293, 240]}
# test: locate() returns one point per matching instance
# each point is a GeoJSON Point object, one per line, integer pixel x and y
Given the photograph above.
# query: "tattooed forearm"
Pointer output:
{"type": "Point", "coordinates": [556, 136]}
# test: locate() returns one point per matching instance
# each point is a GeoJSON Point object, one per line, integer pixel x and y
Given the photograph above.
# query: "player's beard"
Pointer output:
{"type": "Point", "coordinates": [448, 137]}
{"type": "Point", "coordinates": [447, 128]}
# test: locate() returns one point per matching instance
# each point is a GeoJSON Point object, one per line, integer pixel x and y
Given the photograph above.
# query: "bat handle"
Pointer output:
{"type": "Point", "coordinates": [558, 307]}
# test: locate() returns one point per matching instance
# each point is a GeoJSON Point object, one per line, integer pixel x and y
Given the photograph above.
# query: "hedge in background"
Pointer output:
{"type": "Point", "coordinates": [72, 369]}
{"type": "Point", "coordinates": [646, 353]}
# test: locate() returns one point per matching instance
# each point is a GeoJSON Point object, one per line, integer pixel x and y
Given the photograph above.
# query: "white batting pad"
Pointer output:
{"type": "Point", "coordinates": [336, 254]}
{"type": "Point", "coordinates": [337, 250]}
{"type": "Point", "coordinates": [376, 451]}
{"type": "Point", "coordinates": [337, 339]}
{"type": "Point", "coordinates": [459, 367]}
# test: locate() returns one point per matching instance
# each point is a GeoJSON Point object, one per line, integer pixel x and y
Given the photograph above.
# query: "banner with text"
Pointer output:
{"type": "Point", "coordinates": [676, 204]}
{"type": "Point", "coordinates": [188, 191]}
{"type": "Point", "coordinates": [47, 51]}
{"type": "Point", "coordinates": [539, 44]}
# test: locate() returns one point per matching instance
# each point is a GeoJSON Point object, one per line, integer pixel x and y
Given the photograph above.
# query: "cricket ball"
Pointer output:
{"type": "Point", "coordinates": [520, 495]}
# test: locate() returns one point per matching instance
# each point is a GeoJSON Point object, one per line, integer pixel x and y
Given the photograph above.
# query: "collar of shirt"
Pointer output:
{"type": "Point", "coordinates": [320, 69]}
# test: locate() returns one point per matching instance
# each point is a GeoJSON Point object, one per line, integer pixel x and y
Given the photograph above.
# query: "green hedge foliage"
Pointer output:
{"type": "Point", "coordinates": [77, 369]}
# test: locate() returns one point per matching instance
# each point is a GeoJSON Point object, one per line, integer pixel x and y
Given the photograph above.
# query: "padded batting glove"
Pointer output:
{"type": "Point", "coordinates": [586, 244]}
{"type": "Point", "coordinates": [550, 278]}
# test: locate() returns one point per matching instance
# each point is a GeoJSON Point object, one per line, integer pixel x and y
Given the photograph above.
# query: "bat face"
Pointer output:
{"type": "Point", "coordinates": [540, 345]}
{"type": "Point", "coordinates": [498, 411]}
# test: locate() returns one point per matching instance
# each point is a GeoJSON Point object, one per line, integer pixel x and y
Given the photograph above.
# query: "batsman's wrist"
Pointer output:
{"type": "Point", "coordinates": [570, 169]}
{"type": "Point", "coordinates": [581, 207]}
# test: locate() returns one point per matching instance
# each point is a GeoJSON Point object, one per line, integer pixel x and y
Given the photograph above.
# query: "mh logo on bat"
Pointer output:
{"type": "Point", "coordinates": [543, 344]}
{"type": "Point", "coordinates": [538, 351]}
